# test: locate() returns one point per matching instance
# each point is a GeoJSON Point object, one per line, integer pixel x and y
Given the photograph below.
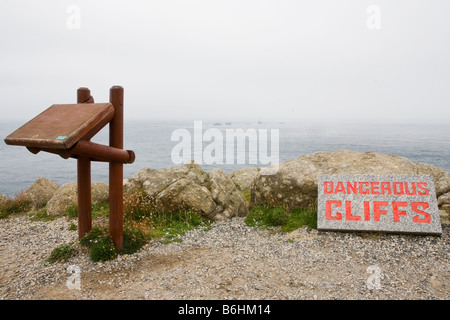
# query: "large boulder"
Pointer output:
{"type": "Point", "coordinates": [154, 181]}
{"type": "Point", "coordinates": [40, 192]}
{"type": "Point", "coordinates": [212, 195]}
{"type": "Point", "coordinates": [67, 196]}
{"type": "Point", "coordinates": [444, 199]}
{"type": "Point", "coordinates": [185, 193]}
{"type": "Point", "coordinates": [243, 178]}
{"type": "Point", "coordinates": [294, 185]}
{"type": "Point", "coordinates": [230, 201]}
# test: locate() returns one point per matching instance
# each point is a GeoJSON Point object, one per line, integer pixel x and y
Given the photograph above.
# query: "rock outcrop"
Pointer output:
{"type": "Point", "coordinates": [294, 185]}
{"type": "Point", "coordinates": [67, 195]}
{"type": "Point", "coordinates": [213, 194]}
{"type": "Point", "coordinates": [243, 178]}
{"type": "Point", "coordinates": [219, 196]}
{"type": "Point", "coordinates": [444, 199]}
{"type": "Point", "coordinates": [40, 192]}
{"type": "Point", "coordinates": [230, 201]}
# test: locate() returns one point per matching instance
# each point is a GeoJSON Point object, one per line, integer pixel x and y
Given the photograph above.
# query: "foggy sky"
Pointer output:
{"type": "Point", "coordinates": [245, 59]}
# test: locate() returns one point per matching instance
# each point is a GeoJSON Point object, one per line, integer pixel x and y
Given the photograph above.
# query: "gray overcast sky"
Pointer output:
{"type": "Point", "coordinates": [225, 59]}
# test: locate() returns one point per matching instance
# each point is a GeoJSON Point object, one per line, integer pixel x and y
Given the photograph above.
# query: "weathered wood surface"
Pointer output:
{"type": "Point", "coordinates": [61, 126]}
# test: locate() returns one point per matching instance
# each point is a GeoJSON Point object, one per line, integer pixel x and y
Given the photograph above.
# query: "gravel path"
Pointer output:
{"type": "Point", "coordinates": [230, 261]}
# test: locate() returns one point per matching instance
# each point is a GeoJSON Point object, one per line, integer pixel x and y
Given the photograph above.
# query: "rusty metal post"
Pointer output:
{"type": "Point", "coordinates": [84, 179]}
{"type": "Point", "coordinates": [116, 170]}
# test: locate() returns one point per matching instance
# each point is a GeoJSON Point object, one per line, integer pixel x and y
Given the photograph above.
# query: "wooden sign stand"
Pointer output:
{"type": "Point", "coordinates": [66, 130]}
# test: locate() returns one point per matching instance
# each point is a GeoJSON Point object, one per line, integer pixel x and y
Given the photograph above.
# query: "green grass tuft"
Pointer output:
{"type": "Point", "coordinates": [300, 218]}
{"type": "Point", "coordinates": [41, 215]}
{"type": "Point", "coordinates": [95, 234]}
{"type": "Point", "coordinates": [133, 240]}
{"type": "Point", "coordinates": [102, 249]}
{"type": "Point", "coordinates": [72, 212]}
{"type": "Point", "coordinates": [265, 216]}
{"type": "Point", "coordinates": [97, 210]}
{"type": "Point", "coordinates": [73, 227]}
{"type": "Point", "coordinates": [285, 220]}
{"type": "Point", "coordinates": [62, 253]}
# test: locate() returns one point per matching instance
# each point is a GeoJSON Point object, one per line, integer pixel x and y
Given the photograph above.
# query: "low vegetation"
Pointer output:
{"type": "Point", "coordinates": [142, 222]}
{"type": "Point", "coordinates": [282, 219]}
{"type": "Point", "coordinates": [97, 210]}
{"type": "Point", "coordinates": [19, 204]}
{"type": "Point", "coordinates": [101, 247]}
{"type": "Point", "coordinates": [140, 213]}
{"type": "Point", "coordinates": [62, 253]}
{"type": "Point", "coordinates": [41, 215]}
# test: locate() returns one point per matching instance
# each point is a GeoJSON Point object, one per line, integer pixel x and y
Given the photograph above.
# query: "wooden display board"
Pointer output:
{"type": "Point", "coordinates": [62, 125]}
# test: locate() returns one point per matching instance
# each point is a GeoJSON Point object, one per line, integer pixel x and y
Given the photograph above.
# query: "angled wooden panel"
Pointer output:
{"type": "Point", "coordinates": [62, 125]}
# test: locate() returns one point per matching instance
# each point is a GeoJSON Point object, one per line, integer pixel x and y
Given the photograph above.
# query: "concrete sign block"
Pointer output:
{"type": "Point", "coordinates": [389, 203]}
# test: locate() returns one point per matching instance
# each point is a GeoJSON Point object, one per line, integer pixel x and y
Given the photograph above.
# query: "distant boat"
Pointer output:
{"type": "Point", "coordinates": [259, 121]}
{"type": "Point", "coordinates": [217, 124]}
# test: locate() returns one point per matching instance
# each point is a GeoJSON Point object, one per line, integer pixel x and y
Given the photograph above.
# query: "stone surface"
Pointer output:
{"type": "Point", "coordinates": [243, 178]}
{"type": "Point", "coordinates": [230, 201]}
{"type": "Point", "coordinates": [67, 195]}
{"type": "Point", "coordinates": [212, 195]}
{"type": "Point", "coordinates": [294, 185]}
{"type": "Point", "coordinates": [444, 199]}
{"type": "Point", "coordinates": [390, 203]}
{"type": "Point", "coordinates": [184, 193]}
{"type": "Point", "coordinates": [153, 181]}
{"type": "Point", "coordinates": [40, 192]}
{"type": "Point", "coordinates": [445, 216]}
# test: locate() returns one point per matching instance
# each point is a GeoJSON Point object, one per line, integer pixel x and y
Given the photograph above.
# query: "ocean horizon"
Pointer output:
{"type": "Point", "coordinates": [151, 141]}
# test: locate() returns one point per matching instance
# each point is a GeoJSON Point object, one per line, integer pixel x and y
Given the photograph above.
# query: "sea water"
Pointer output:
{"type": "Point", "coordinates": [151, 141]}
